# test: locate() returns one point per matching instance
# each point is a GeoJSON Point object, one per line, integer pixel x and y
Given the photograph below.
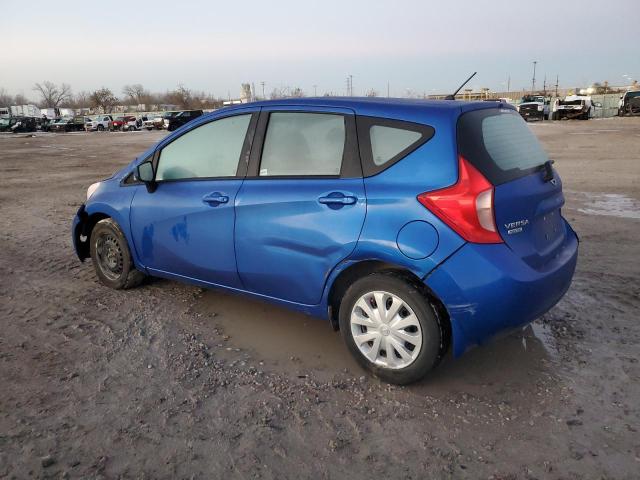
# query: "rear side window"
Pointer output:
{"type": "Point", "coordinates": [499, 144]}
{"type": "Point", "coordinates": [383, 142]}
{"type": "Point", "coordinates": [387, 142]}
{"type": "Point", "coordinates": [303, 144]}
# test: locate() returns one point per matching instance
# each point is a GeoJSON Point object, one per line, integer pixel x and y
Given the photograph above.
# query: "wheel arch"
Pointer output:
{"type": "Point", "coordinates": [83, 230]}
{"type": "Point", "coordinates": [363, 268]}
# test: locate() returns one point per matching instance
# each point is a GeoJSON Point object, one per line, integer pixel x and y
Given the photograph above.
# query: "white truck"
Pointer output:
{"type": "Point", "coordinates": [534, 107]}
{"type": "Point", "coordinates": [576, 106]}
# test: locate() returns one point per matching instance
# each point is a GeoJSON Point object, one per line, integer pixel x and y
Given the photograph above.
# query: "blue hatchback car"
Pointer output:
{"type": "Point", "coordinates": [412, 226]}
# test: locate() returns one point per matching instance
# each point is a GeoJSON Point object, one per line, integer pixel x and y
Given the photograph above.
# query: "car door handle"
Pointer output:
{"type": "Point", "coordinates": [338, 199]}
{"type": "Point", "coordinates": [215, 198]}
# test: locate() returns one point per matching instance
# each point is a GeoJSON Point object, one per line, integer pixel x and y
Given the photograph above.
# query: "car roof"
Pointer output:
{"type": "Point", "coordinates": [402, 108]}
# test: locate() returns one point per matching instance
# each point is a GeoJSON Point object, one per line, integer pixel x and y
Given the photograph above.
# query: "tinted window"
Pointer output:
{"type": "Point", "coordinates": [387, 142]}
{"type": "Point", "coordinates": [211, 150]}
{"type": "Point", "coordinates": [384, 141]}
{"type": "Point", "coordinates": [303, 144]}
{"type": "Point", "coordinates": [499, 144]}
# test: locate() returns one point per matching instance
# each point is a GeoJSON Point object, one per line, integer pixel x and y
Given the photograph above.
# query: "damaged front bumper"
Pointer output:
{"type": "Point", "coordinates": [79, 233]}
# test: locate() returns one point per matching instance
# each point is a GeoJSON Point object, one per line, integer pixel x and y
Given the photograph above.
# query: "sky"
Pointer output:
{"type": "Point", "coordinates": [411, 45]}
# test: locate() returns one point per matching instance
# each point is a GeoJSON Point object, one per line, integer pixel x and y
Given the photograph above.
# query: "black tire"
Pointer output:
{"type": "Point", "coordinates": [100, 128]}
{"type": "Point", "coordinates": [546, 116]}
{"type": "Point", "coordinates": [430, 351]}
{"type": "Point", "coordinates": [114, 267]}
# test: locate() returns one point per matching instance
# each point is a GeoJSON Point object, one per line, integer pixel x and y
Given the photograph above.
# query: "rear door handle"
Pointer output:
{"type": "Point", "coordinates": [337, 198]}
{"type": "Point", "coordinates": [215, 198]}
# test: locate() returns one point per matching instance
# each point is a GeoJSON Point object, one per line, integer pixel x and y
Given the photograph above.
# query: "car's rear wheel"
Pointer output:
{"type": "Point", "coordinates": [111, 256]}
{"type": "Point", "coordinates": [390, 328]}
{"type": "Point", "coordinates": [100, 128]}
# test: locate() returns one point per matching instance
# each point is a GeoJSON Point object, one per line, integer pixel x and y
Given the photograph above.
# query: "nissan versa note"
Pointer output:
{"type": "Point", "coordinates": [412, 226]}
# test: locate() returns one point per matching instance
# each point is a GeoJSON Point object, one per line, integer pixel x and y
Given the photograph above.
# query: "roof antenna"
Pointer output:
{"type": "Point", "coordinates": [453, 96]}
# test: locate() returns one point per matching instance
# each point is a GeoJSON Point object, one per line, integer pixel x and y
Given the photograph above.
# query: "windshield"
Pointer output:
{"type": "Point", "coordinates": [532, 98]}
{"type": "Point", "coordinates": [499, 143]}
{"type": "Point", "coordinates": [169, 114]}
{"type": "Point", "coordinates": [633, 94]}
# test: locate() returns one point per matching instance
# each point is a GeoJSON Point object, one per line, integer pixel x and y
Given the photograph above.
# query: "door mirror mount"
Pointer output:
{"type": "Point", "coordinates": [145, 174]}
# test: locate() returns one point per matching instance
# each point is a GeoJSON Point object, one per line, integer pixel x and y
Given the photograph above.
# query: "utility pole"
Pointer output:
{"type": "Point", "coordinates": [533, 80]}
{"type": "Point", "coordinates": [544, 85]}
{"type": "Point", "coordinates": [508, 83]}
{"type": "Point", "coordinates": [315, 90]}
{"type": "Point", "coordinates": [556, 85]}
{"type": "Point", "coordinates": [262, 83]}
{"type": "Point", "coordinates": [387, 88]}
{"type": "Point", "coordinates": [351, 85]}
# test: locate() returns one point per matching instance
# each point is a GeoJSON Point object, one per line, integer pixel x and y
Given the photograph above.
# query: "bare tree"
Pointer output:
{"type": "Point", "coordinates": [53, 95]}
{"type": "Point", "coordinates": [136, 94]}
{"type": "Point", "coordinates": [296, 92]}
{"type": "Point", "coordinates": [81, 99]}
{"type": "Point", "coordinates": [103, 98]}
{"type": "Point", "coordinates": [372, 93]}
{"type": "Point", "coordinates": [181, 96]}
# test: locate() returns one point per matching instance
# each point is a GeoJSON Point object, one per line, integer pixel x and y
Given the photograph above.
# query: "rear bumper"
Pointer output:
{"type": "Point", "coordinates": [487, 289]}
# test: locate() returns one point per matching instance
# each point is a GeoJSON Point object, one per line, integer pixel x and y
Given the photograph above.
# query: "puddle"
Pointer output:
{"type": "Point", "coordinates": [273, 335]}
{"type": "Point", "coordinates": [513, 361]}
{"type": "Point", "coordinates": [609, 204]}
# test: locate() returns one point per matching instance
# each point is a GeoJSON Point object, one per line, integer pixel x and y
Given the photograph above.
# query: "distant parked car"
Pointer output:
{"type": "Point", "coordinates": [154, 120]}
{"type": "Point", "coordinates": [534, 107]}
{"type": "Point", "coordinates": [166, 117]}
{"type": "Point", "coordinates": [182, 118]}
{"type": "Point", "coordinates": [5, 123]}
{"type": "Point", "coordinates": [413, 227]}
{"type": "Point", "coordinates": [629, 104]}
{"type": "Point", "coordinates": [24, 124]}
{"type": "Point", "coordinates": [119, 122]}
{"type": "Point", "coordinates": [132, 124]}
{"type": "Point", "coordinates": [18, 124]}
{"type": "Point", "coordinates": [69, 124]}
{"type": "Point", "coordinates": [100, 123]}
{"type": "Point", "coordinates": [577, 107]}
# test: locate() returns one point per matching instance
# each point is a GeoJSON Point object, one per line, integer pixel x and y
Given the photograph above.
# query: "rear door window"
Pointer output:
{"type": "Point", "coordinates": [303, 144]}
{"type": "Point", "coordinates": [499, 144]}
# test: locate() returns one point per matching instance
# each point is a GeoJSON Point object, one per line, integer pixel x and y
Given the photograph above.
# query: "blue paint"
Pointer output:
{"type": "Point", "coordinates": [277, 240]}
{"type": "Point", "coordinates": [417, 240]}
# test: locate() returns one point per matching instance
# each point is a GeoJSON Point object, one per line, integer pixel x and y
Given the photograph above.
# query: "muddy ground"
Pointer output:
{"type": "Point", "coordinates": [172, 381]}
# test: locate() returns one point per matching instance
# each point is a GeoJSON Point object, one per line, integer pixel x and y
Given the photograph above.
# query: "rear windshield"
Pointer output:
{"type": "Point", "coordinates": [499, 144]}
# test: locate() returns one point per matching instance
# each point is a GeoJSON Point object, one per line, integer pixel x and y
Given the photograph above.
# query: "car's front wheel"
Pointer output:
{"type": "Point", "coordinates": [111, 256]}
{"type": "Point", "coordinates": [390, 327]}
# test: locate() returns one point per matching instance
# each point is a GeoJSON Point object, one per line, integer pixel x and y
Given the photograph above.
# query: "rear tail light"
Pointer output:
{"type": "Point", "coordinates": [466, 206]}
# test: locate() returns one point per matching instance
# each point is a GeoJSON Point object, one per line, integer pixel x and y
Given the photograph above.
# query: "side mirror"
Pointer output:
{"type": "Point", "coordinates": [145, 174]}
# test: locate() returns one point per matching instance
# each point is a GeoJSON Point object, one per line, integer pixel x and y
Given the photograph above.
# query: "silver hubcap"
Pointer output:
{"type": "Point", "coordinates": [386, 330]}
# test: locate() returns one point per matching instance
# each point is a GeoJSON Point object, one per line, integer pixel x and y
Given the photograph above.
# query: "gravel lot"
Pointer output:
{"type": "Point", "coordinates": [173, 381]}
